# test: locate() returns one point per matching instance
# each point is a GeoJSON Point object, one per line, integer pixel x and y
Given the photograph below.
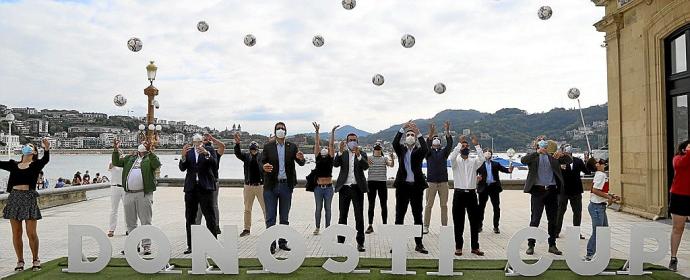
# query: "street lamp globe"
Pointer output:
{"type": "Point", "coordinates": [159, 127]}
{"type": "Point", "coordinates": [142, 127]}
{"type": "Point", "coordinates": [9, 117]}
{"type": "Point", "coordinates": [151, 71]}
{"type": "Point", "coordinates": [152, 127]}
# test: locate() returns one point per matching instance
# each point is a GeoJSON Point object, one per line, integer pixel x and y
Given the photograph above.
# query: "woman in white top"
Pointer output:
{"type": "Point", "coordinates": [598, 201]}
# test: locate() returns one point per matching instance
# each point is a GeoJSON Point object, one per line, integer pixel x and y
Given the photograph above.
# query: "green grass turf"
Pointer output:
{"type": "Point", "coordinates": [311, 269]}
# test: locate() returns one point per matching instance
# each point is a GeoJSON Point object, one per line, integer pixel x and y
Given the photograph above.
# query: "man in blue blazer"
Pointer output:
{"type": "Point", "coordinates": [489, 186]}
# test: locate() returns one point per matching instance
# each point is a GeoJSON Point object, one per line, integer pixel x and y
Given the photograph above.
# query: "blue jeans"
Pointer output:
{"type": "Point", "coordinates": [599, 219]}
{"type": "Point", "coordinates": [323, 197]}
{"type": "Point", "coordinates": [278, 198]}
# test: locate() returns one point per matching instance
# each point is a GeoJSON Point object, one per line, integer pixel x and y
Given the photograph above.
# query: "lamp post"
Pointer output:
{"type": "Point", "coordinates": [151, 92]}
{"type": "Point", "coordinates": [9, 118]}
{"type": "Point", "coordinates": [510, 152]}
{"type": "Point", "coordinates": [574, 93]}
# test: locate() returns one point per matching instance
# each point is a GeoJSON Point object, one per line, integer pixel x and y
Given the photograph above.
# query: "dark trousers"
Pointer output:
{"type": "Point", "coordinates": [278, 199]}
{"type": "Point", "coordinates": [412, 195]}
{"type": "Point", "coordinates": [465, 201]}
{"type": "Point", "coordinates": [575, 206]}
{"type": "Point", "coordinates": [378, 187]}
{"type": "Point", "coordinates": [544, 199]}
{"type": "Point", "coordinates": [192, 200]}
{"type": "Point", "coordinates": [346, 195]}
{"type": "Point", "coordinates": [495, 196]}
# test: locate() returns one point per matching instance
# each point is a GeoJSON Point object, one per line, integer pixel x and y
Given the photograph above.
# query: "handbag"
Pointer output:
{"type": "Point", "coordinates": [311, 181]}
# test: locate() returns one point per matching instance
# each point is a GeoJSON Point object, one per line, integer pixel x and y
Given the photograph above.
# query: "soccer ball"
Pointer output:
{"type": "Point", "coordinates": [120, 100]}
{"type": "Point", "coordinates": [440, 88]}
{"type": "Point", "coordinates": [318, 41]}
{"type": "Point", "coordinates": [377, 79]}
{"type": "Point", "coordinates": [349, 4]}
{"type": "Point", "coordinates": [573, 93]}
{"type": "Point", "coordinates": [134, 44]}
{"type": "Point", "coordinates": [202, 26]}
{"type": "Point", "coordinates": [249, 40]}
{"type": "Point", "coordinates": [545, 12]}
{"type": "Point", "coordinates": [407, 41]}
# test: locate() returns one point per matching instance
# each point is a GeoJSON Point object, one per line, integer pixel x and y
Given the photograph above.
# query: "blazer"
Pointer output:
{"type": "Point", "coordinates": [246, 158]}
{"type": "Point", "coordinates": [418, 154]}
{"type": "Point", "coordinates": [343, 161]}
{"type": "Point", "coordinates": [203, 167]}
{"type": "Point", "coordinates": [573, 178]}
{"type": "Point", "coordinates": [495, 168]}
{"type": "Point", "coordinates": [532, 161]}
{"type": "Point", "coordinates": [270, 155]}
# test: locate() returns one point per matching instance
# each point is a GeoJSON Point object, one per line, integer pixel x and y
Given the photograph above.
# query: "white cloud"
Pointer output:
{"type": "Point", "coordinates": [490, 55]}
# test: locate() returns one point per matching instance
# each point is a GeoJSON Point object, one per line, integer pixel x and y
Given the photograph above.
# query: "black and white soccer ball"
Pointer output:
{"type": "Point", "coordinates": [249, 40]}
{"type": "Point", "coordinates": [202, 26]}
{"type": "Point", "coordinates": [377, 79]}
{"type": "Point", "coordinates": [407, 41]}
{"type": "Point", "coordinates": [349, 4]}
{"type": "Point", "coordinates": [440, 88]}
{"type": "Point", "coordinates": [573, 93]}
{"type": "Point", "coordinates": [134, 44]}
{"type": "Point", "coordinates": [545, 12]}
{"type": "Point", "coordinates": [318, 41]}
{"type": "Point", "coordinates": [119, 100]}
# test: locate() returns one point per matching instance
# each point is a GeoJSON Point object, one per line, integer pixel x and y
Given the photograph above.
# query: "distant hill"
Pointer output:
{"type": "Point", "coordinates": [340, 133]}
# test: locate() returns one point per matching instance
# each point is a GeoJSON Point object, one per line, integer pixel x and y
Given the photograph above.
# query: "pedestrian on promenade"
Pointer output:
{"type": "Point", "coordinates": [351, 185]}
{"type": "Point", "coordinates": [199, 185]}
{"type": "Point", "coordinates": [117, 193]}
{"type": "Point", "coordinates": [139, 183]}
{"type": "Point", "coordinates": [489, 187]}
{"type": "Point", "coordinates": [323, 191]}
{"type": "Point", "coordinates": [86, 179]}
{"type": "Point", "coordinates": [76, 181]}
{"type": "Point", "coordinates": [437, 174]}
{"type": "Point", "coordinates": [573, 190]}
{"type": "Point", "coordinates": [598, 201]}
{"type": "Point", "coordinates": [465, 193]}
{"type": "Point", "coordinates": [279, 158]}
{"type": "Point", "coordinates": [680, 198]}
{"type": "Point", "coordinates": [21, 204]}
{"type": "Point", "coordinates": [253, 181]}
{"type": "Point", "coordinates": [409, 181]}
{"type": "Point", "coordinates": [42, 182]}
{"type": "Point", "coordinates": [377, 183]}
{"type": "Point", "coordinates": [212, 144]}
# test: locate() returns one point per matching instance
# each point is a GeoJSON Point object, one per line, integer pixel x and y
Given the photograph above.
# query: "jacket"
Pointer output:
{"type": "Point", "coordinates": [418, 154]}
{"type": "Point", "coordinates": [532, 161]}
{"type": "Point", "coordinates": [495, 168]}
{"type": "Point", "coordinates": [572, 177]}
{"type": "Point", "coordinates": [149, 164]}
{"type": "Point", "coordinates": [246, 158]}
{"type": "Point", "coordinates": [270, 155]}
{"type": "Point", "coordinates": [201, 168]}
{"type": "Point", "coordinates": [343, 161]}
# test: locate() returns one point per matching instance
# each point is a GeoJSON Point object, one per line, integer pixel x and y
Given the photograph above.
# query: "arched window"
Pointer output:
{"type": "Point", "coordinates": [677, 90]}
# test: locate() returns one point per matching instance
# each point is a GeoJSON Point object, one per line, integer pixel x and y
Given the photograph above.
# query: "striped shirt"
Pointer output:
{"type": "Point", "coordinates": [377, 170]}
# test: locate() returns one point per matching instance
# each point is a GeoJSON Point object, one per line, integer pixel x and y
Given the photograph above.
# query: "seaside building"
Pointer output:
{"type": "Point", "coordinates": [648, 85]}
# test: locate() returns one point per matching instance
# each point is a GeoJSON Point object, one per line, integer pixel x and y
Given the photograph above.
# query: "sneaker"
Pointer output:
{"type": "Point", "coordinates": [370, 230]}
{"type": "Point", "coordinates": [496, 231]}
{"type": "Point", "coordinates": [244, 233]}
{"type": "Point", "coordinates": [673, 264]}
{"type": "Point", "coordinates": [316, 231]}
{"type": "Point", "coordinates": [554, 250]}
{"type": "Point", "coordinates": [36, 265]}
{"type": "Point", "coordinates": [110, 233]}
{"type": "Point", "coordinates": [188, 251]}
{"type": "Point", "coordinates": [477, 252]}
{"type": "Point", "coordinates": [20, 266]}
{"type": "Point", "coordinates": [458, 252]}
{"type": "Point", "coordinates": [587, 258]}
{"type": "Point", "coordinates": [425, 230]}
{"type": "Point", "coordinates": [530, 250]}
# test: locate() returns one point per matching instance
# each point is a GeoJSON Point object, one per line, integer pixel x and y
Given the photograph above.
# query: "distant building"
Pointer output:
{"type": "Point", "coordinates": [10, 140]}
{"type": "Point", "coordinates": [94, 115]}
{"type": "Point", "coordinates": [37, 127]}
{"type": "Point", "coordinates": [96, 129]}
{"type": "Point", "coordinates": [27, 111]}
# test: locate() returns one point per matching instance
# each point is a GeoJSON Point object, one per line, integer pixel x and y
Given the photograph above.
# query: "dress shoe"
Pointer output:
{"type": "Point", "coordinates": [480, 229]}
{"type": "Point", "coordinates": [496, 230]}
{"type": "Point", "coordinates": [370, 230]}
{"type": "Point", "coordinates": [477, 252]}
{"type": "Point", "coordinates": [421, 249]}
{"type": "Point", "coordinates": [554, 250]}
{"type": "Point", "coordinates": [458, 252]}
{"type": "Point", "coordinates": [284, 247]}
{"type": "Point", "coordinates": [530, 250]}
{"type": "Point", "coordinates": [110, 233]}
{"type": "Point", "coordinates": [360, 248]}
{"type": "Point", "coordinates": [582, 237]}
{"type": "Point", "coordinates": [316, 231]}
{"type": "Point", "coordinates": [188, 251]}
{"type": "Point", "coordinates": [244, 233]}
{"type": "Point", "coordinates": [147, 251]}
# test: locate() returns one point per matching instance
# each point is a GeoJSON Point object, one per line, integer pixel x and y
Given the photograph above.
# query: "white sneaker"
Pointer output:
{"type": "Point", "coordinates": [425, 230]}
{"type": "Point", "coordinates": [316, 231]}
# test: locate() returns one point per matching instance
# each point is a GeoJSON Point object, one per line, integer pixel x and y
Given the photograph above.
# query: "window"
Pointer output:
{"type": "Point", "coordinates": [679, 61]}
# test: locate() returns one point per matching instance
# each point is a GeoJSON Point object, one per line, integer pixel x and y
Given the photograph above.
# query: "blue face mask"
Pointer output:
{"type": "Point", "coordinates": [543, 144]}
{"type": "Point", "coordinates": [27, 150]}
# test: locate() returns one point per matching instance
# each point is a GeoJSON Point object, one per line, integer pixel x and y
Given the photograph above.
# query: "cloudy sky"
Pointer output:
{"type": "Point", "coordinates": [490, 54]}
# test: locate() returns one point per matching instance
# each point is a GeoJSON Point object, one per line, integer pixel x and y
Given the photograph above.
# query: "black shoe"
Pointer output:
{"type": "Point", "coordinates": [481, 229]}
{"type": "Point", "coordinates": [218, 230]}
{"type": "Point", "coordinates": [284, 247]}
{"type": "Point", "coordinates": [496, 230]}
{"type": "Point", "coordinates": [188, 251]}
{"type": "Point", "coordinates": [244, 233]}
{"type": "Point", "coordinates": [273, 250]}
{"type": "Point", "coordinates": [582, 237]}
{"type": "Point", "coordinates": [673, 265]}
{"type": "Point", "coordinates": [370, 230]}
{"type": "Point", "coordinates": [360, 248]}
{"type": "Point", "coordinates": [554, 250]}
{"type": "Point", "coordinates": [421, 249]}
{"type": "Point", "coordinates": [530, 250]}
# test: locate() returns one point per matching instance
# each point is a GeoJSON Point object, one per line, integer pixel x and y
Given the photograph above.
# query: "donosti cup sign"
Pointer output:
{"type": "Point", "coordinates": [223, 251]}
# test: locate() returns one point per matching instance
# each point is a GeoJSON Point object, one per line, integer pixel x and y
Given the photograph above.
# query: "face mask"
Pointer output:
{"type": "Point", "coordinates": [280, 133]}
{"type": "Point", "coordinates": [27, 150]}
{"type": "Point", "coordinates": [409, 140]}
{"type": "Point", "coordinates": [543, 144]}
{"type": "Point", "coordinates": [436, 142]}
{"type": "Point", "coordinates": [351, 145]}
{"type": "Point", "coordinates": [324, 152]}
{"type": "Point", "coordinates": [141, 148]}
{"type": "Point", "coordinates": [487, 155]}
{"type": "Point", "coordinates": [465, 152]}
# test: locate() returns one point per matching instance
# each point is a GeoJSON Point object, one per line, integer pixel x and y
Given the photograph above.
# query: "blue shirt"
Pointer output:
{"type": "Point", "coordinates": [545, 173]}
{"type": "Point", "coordinates": [489, 173]}
{"type": "Point", "coordinates": [281, 161]}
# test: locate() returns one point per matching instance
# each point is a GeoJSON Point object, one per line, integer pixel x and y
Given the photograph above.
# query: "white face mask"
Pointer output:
{"type": "Point", "coordinates": [324, 152]}
{"type": "Point", "coordinates": [487, 155]}
{"type": "Point", "coordinates": [141, 148]}
{"type": "Point", "coordinates": [409, 140]}
{"type": "Point", "coordinates": [436, 142]}
{"type": "Point", "coordinates": [280, 133]}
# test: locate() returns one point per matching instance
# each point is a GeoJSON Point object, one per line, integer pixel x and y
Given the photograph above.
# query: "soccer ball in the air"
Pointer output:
{"type": "Point", "coordinates": [202, 26]}
{"type": "Point", "coordinates": [545, 12]}
{"type": "Point", "coordinates": [120, 100]}
{"type": "Point", "coordinates": [249, 40]}
{"type": "Point", "coordinates": [318, 41]}
{"type": "Point", "coordinates": [377, 79]}
{"type": "Point", "coordinates": [134, 44]}
{"type": "Point", "coordinates": [573, 93]}
{"type": "Point", "coordinates": [349, 4]}
{"type": "Point", "coordinates": [407, 41]}
{"type": "Point", "coordinates": [440, 88]}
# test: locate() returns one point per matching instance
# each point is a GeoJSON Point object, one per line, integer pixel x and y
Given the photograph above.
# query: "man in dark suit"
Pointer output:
{"type": "Point", "coordinates": [409, 181]}
{"type": "Point", "coordinates": [544, 183]}
{"type": "Point", "coordinates": [351, 185]}
{"type": "Point", "coordinates": [199, 185]}
{"type": "Point", "coordinates": [573, 190]}
{"type": "Point", "coordinates": [489, 186]}
{"type": "Point", "coordinates": [278, 158]}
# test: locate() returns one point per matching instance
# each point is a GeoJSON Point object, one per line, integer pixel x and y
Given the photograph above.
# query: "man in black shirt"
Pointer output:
{"type": "Point", "coordinates": [209, 143]}
{"type": "Point", "coordinates": [573, 191]}
{"type": "Point", "coordinates": [253, 181]}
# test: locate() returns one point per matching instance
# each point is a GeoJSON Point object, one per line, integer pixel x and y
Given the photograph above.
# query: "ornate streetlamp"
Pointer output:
{"type": "Point", "coordinates": [574, 93]}
{"type": "Point", "coordinates": [151, 92]}
{"type": "Point", "coordinates": [9, 118]}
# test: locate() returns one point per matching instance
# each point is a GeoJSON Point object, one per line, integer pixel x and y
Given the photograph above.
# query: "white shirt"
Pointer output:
{"type": "Point", "coordinates": [465, 170]}
{"type": "Point", "coordinates": [116, 175]}
{"type": "Point", "coordinates": [351, 169]}
{"type": "Point", "coordinates": [135, 180]}
{"type": "Point", "coordinates": [598, 183]}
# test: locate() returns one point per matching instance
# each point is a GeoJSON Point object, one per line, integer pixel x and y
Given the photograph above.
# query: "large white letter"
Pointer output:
{"type": "Point", "coordinates": [75, 235]}
{"type": "Point", "coordinates": [399, 235]}
{"type": "Point", "coordinates": [601, 258]}
{"type": "Point", "coordinates": [162, 248]}
{"type": "Point", "coordinates": [513, 249]}
{"type": "Point", "coordinates": [271, 264]}
{"type": "Point", "coordinates": [638, 256]}
{"type": "Point", "coordinates": [329, 244]}
{"type": "Point", "coordinates": [223, 252]}
{"type": "Point", "coordinates": [446, 252]}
